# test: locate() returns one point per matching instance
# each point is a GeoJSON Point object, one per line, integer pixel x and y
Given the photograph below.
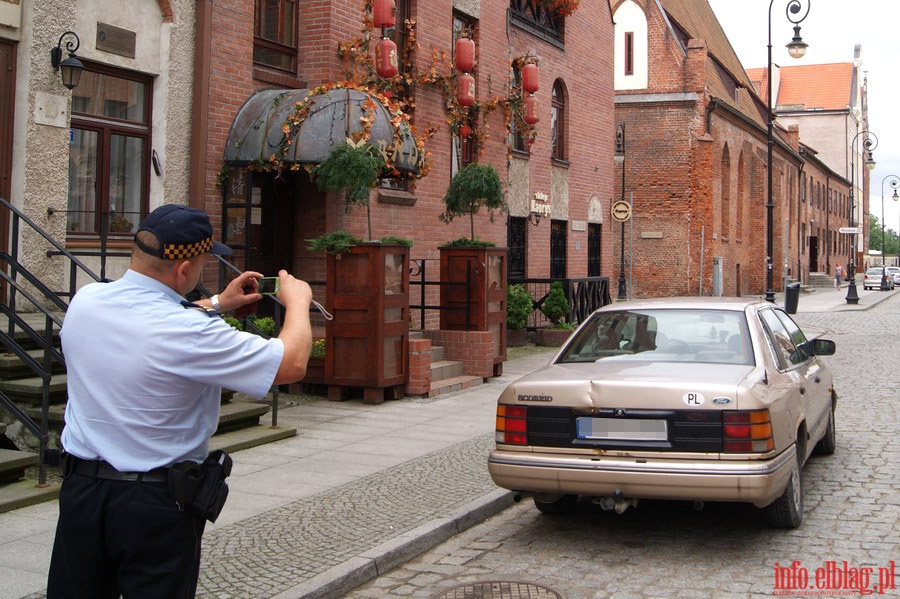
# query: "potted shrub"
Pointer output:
{"type": "Point", "coordinates": [519, 306]}
{"type": "Point", "coordinates": [474, 186]}
{"type": "Point", "coordinates": [555, 308]}
{"type": "Point", "coordinates": [352, 169]}
{"type": "Point", "coordinates": [473, 272]}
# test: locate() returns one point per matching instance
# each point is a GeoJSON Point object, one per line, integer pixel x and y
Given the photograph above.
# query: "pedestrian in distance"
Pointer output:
{"type": "Point", "coordinates": [838, 276]}
{"type": "Point", "coordinates": [145, 372]}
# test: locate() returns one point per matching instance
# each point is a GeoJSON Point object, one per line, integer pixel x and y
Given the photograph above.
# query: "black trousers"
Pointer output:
{"type": "Point", "coordinates": [123, 538]}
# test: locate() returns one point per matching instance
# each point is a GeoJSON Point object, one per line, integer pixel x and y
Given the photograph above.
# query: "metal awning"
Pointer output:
{"type": "Point", "coordinates": [256, 133]}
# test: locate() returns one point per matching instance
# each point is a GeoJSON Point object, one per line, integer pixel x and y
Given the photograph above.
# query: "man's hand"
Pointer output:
{"type": "Point", "coordinates": [236, 294]}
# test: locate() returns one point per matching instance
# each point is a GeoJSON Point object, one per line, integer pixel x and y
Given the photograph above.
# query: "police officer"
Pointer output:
{"type": "Point", "coordinates": [145, 369]}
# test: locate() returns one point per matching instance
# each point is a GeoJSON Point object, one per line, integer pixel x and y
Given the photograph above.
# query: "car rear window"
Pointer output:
{"type": "Point", "coordinates": [664, 335]}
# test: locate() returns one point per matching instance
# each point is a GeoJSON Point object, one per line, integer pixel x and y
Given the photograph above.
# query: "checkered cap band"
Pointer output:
{"type": "Point", "coordinates": [183, 251]}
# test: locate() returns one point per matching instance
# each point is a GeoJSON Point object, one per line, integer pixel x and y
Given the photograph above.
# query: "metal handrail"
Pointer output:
{"type": "Point", "coordinates": [16, 290]}
{"type": "Point", "coordinates": [418, 268]}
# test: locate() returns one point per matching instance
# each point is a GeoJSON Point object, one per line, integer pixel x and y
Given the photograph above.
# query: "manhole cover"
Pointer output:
{"type": "Point", "coordinates": [499, 590]}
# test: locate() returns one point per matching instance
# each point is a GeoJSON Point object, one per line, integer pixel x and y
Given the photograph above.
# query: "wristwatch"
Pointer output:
{"type": "Point", "coordinates": [214, 300]}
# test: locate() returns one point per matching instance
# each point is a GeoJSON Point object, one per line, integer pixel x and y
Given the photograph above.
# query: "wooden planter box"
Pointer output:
{"type": "Point", "coordinates": [485, 271]}
{"type": "Point", "coordinates": [367, 291]}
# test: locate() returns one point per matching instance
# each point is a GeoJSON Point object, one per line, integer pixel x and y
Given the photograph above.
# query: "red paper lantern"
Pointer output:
{"type": "Point", "coordinates": [465, 54]}
{"type": "Point", "coordinates": [465, 89]}
{"type": "Point", "coordinates": [531, 110]}
{"type": "Point", "coordinates": [386, 58]}
{"type": "Point", "coordinates": [530, 77]}
{"type": "Point", "coordinates": [383, 13]}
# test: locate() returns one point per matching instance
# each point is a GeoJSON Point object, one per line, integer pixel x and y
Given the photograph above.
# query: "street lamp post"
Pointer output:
{"type": "Point", "coordinates": [895, 183]}
{"type": "Point", "coordinates": [870, 142]}
{"type": "Point", "coordinates": [796, 48]}
{"type": "Point", "coordinates": [620, 158]}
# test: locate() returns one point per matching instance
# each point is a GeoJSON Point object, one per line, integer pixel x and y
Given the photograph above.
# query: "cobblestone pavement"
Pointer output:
{"type": "Point", "coordinates": [271, 552]}
{"type": "Point", "coordinates": [667, 549]}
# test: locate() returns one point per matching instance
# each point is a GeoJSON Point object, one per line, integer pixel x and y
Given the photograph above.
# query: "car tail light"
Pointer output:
{"type": "Point", "coordinates": [747, 431]}
{"type": "Point", "coordinates": [512, 426]}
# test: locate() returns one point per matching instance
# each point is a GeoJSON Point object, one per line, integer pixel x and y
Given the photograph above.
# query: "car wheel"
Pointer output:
{"type": "Point", "coordinates": [563, 505]}
{"type": "Point", "coordinates": [787, 510]}
{"type": "Point", "coordinates": [827, 444]}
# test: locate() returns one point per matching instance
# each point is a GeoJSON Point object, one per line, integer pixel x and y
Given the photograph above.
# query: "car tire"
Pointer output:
{"type": "Point", "coordinates": [563, 505]}
{"type": "Point", "coordinates": [827, 443]}
{"type": "Point", "coordinates": [787, 510]}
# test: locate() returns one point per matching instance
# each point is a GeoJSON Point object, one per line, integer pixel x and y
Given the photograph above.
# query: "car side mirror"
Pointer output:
{"type": "Point", "coordinates": [824, 347]}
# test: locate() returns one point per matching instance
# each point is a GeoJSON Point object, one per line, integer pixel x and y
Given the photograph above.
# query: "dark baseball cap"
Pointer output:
{"type": "Point", "coordinates": [182, 232]}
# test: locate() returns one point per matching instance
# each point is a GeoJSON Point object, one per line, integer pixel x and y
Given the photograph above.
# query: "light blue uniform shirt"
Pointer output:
{"type": "Point", "coordinates": [145, 374]}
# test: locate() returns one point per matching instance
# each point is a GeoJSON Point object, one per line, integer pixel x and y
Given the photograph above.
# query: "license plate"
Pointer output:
{"type": "Point", "coordinates": [622, 429]}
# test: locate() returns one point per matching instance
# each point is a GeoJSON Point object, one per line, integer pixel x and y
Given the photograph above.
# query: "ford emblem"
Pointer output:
{"type": "Point", "coordinates": [722, 401]}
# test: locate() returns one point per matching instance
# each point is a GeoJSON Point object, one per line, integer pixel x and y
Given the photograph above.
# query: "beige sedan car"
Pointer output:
{"type": "Point", "coordinates": [701, 399]}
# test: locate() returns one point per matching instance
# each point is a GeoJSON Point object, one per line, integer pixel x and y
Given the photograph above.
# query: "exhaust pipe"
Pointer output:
{"type": "Point", "coordinates": [617, 502]}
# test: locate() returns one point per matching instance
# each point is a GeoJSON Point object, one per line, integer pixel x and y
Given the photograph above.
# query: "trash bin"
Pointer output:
{"type": "Point", "coordinates": [791, 298]}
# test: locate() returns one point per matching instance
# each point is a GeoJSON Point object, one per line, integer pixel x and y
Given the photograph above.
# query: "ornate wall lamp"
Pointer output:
{"type": "Point", "coordinates": [70, 69]}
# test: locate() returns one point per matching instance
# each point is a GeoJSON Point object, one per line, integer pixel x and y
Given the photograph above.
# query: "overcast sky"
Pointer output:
{"type": "Point", "coordinates": [832, 29]}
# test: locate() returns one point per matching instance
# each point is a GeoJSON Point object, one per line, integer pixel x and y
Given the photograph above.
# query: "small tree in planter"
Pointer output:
{"type": "Point", "coordinates": [352, 169]}
{"type": "Point", "coordinates": [519, 306]}
{"type": "Point", "coordinates": [474, 186]}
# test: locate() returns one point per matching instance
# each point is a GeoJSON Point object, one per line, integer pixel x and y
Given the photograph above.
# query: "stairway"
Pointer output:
{"type": "Point", "coordinates": [448, 375]}
{"type": "Point", "coordinates": [819, 280]}
{"type": "Point", "coordinates": [239, 428]}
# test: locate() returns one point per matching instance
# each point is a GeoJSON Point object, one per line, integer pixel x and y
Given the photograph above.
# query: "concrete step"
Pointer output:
{"type": "Point", "coordinates": [23, 493]}
{"type": "Point", "coordinates": [29, 390]}
{"type": "Point", "coordinates": [445, 369]}
{"type": "Point", "coordinates": [11, 367]}
{"type": "Point", "coordinates": [456, 383]}
{"type": "Point", "coordinates": [13, 464]}
{"type": "Point", "coordinates": [437, 353]}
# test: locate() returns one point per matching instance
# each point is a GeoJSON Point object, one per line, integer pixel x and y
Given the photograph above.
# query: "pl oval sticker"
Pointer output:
{"type": "Point", "coordinates": [693, 399]}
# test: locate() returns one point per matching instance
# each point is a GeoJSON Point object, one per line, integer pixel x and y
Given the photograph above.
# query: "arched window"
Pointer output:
{"type": "Point", "coordinates": [726, 192]}
{"type": "Point", "coordinates": [558, 122]}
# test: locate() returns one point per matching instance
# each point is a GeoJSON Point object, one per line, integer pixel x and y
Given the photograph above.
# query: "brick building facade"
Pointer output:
{"type": "Point", "coordinates": [574, 186]}
{"type": "Point", "coordinates": [695, 161]}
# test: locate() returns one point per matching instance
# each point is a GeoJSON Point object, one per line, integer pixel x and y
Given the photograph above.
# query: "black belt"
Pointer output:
{"type": "Point", "coordinates": [104, 470]}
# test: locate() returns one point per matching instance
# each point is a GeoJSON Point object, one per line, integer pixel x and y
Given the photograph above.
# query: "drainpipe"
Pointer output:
{"type": "Point", "coordinates": [199, 110]}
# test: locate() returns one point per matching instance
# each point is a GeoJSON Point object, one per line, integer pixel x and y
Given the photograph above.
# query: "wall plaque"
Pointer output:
{"type": "Point", "coordinates": [116, 40]}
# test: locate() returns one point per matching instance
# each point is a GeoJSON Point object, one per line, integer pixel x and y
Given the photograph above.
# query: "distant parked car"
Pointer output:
{"type": "Point", "coordinates": [872, 278]}
{"type": "Point", "coordinates": [894, 271]}
{"type": "Point", "coordinates": [696, 399]}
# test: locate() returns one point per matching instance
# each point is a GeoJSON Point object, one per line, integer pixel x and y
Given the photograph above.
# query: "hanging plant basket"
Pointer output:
{"type": "Point", "coordinates": [562, 8]}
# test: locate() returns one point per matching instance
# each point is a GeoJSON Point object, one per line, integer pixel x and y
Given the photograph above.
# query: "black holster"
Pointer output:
{"type": "Point", "coordinates": [202, 487]}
